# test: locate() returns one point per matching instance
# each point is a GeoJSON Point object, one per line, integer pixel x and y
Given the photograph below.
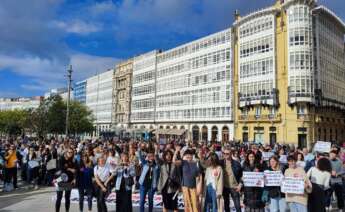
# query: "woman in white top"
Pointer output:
{"type": "Point", "coordinates": [213, 185]}
{"type": "Point", "coordinates": [300, 160]}
{"type": "Point", "coordinates": [102, 176]}
{"type": "Point", "coordinates": [320, 177]}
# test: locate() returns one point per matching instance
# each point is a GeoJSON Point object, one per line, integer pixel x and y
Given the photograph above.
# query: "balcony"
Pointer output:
{"type": "Point", "coordinates": [260, 118]}
{"type": "Point", "coordinates": [304, 117]}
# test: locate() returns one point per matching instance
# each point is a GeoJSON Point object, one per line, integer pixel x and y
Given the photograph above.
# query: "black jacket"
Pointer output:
{"type": "Point", "coordinates": [253, 195]}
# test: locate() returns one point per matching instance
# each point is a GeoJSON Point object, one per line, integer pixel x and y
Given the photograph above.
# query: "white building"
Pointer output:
{"type": "Point", "coordinates": [192, 92]}
{"type": "Point", "coordinates": [20, 103]}
{"type": "Point", "coordinates": [144, 89]}
{"type": "Point", "coordinates": [99, 94]}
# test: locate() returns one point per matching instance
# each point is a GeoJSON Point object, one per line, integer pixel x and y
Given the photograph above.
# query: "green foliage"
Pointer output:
{"type": "Point", "coordinates": [13, 122]}
{"type": "Point", "coordinates": [49, 117]}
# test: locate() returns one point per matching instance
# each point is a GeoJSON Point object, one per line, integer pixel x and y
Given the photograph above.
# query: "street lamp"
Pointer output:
{"type": "Point", "coordinates": [69, 78]}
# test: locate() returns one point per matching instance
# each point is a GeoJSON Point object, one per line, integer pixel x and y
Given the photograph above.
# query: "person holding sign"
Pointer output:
{"type": "Point", "coordinates": [297, 202]}
{"type": "Point", "coordinates": [252, 195]}
{"type": "Point", "coordinates": [32, 170]}
{"type": "Point", "coordinates": [277, 198]}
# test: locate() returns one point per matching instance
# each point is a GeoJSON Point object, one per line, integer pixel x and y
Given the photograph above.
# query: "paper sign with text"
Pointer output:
{"type": "Point", "coordinates": [253, 179]}
{"type": "Point", "coordinates": [292, 185]}
{"type": "Point", "coordinates": [273, 178]}
{"type": "Point", "coordinates": [322, 146]}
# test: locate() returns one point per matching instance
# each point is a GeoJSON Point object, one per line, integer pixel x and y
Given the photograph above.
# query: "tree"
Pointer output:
{"type": "Point", "coordinates": [13, 122]}
{"type": "Point", "coordinates": [80, 119]}
{"type": "Point", "coordinates": [56, 115]}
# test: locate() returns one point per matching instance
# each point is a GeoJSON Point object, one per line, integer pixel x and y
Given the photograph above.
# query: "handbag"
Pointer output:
{"type": "Point", "coordinates": [265, 197]}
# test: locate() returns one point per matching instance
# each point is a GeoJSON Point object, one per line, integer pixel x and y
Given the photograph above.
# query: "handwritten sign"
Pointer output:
{"type": "Point", "coordinates": [292, 185]}
{"type": "Point", "coordinates": [253, 179]}
{"type": "Point", "coordinates": [273, 178]}
{"type": "Point", "coordinates": [267, 155]}
{"type": "Point", "coordinates": [322, 146]}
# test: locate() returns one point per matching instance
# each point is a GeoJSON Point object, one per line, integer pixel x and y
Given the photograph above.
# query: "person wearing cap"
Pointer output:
{"type": "Point", "coordinates": [190, 175]}
{"type": "Point", "coordinates": [297, 202]}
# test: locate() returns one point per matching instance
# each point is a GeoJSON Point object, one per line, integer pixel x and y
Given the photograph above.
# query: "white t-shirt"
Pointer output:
{"type": "Point", "coordinates": [102, 173]}
{"type": "Point", "coordinates": [319, 177]}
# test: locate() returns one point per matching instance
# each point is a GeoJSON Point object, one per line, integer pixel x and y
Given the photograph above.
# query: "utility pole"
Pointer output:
{"type": "Point", "coordinates": [69, 78]}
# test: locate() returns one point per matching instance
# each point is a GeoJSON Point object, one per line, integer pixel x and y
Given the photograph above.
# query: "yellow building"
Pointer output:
{"type": "Point", "coordinates": [289, 74]}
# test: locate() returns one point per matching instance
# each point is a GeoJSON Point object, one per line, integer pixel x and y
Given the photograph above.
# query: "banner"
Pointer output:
{"type": "Point", "coordinates": [273, 178]}
{"type": "Point", "coordinates": [322, 146]}
{"type": "Point", "coordinates": [267, 155]}
{"type": "Point", "coordinates": [292, 185]}
{"type": "Point", "coordinates": [111, 200]}
{"type": "Point", "coordinates": [253, 179]}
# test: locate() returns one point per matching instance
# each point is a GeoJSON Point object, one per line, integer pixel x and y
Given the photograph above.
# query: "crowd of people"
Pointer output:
{"type": "Point", "coordinates": [207, 175]}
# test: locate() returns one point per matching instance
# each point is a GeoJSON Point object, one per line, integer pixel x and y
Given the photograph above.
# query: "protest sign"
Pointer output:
{"type": "Point", "coordinates": [267, 155]}
{"type": "Point", "coordinates": [253, 179]}
{"type": "Point", "coordinates": [322, 146]}
{"type": "Point", "coordinates": [292, 185]}
{"type": "Point", "coordinates": [273, 178]}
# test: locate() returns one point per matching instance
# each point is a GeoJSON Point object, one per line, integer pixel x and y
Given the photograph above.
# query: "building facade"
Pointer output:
{"type": "Point", "coordinates": [143, 105]}
{"type": "Point", "coordinates": [99, 99]}
{"type": "Point", "coordinates": [20, 103]}
{"type": "Point", "coordinates": [79, 92]}
{"type": "Point", "coordinates": [122, 94]}
{"type": "Point", "coordinates": [288, 86]}
{"type": "Point", "coordinates": [187, 89]}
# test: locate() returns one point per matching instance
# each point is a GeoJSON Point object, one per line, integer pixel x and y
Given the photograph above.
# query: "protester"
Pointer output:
{"type": "Point", "coordinates": [149, 177]}
{"type": "Point", "coordinates": [84, 181]}
{"type": "Point", "coordinates": [213, 185]}
{"type": "Point", "coordinates": [277, 201]}
{"type": "Point", "coordinates": [336, 178]}
{"type": "Point", "coordinates": [11, 160]}
{"type": "Point", "coordinates": [169, 181]}
{"type": "Point", "coordinates": [252, 195]}
{"type": "Point", "coordinates": [190, 174]}
{"type": "Point", "coordinates": [320, 177]}
{"type": "Point", "coordinates": [66, 179]}
{"type": "Point", "coordinates": [232, 176]}
{"type": "Point", "coordinates": [124, 172]}
{"type": "Point", "coordinates": [297, 202]}
{"type": "Point", "coordinates": [102, 177]}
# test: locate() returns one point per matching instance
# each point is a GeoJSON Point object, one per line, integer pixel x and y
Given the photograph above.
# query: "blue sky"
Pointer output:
{"type": "Point", "coordinates": [39, 38]}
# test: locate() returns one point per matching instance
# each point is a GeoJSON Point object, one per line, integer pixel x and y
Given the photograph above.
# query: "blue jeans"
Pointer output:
{"type": "Point", "coordinates": [150, 192]}
{"type": "Point", "coordinates": [277, 204]}
{"type": "Point", "coordinates": [210, 199]}
{"type": "Point", "coordinates": [297, 207]}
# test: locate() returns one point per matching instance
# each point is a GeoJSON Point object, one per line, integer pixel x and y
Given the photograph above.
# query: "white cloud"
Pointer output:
{"type": "Point", "coordinates": [78, 27]}
{"type": "Point", "coordinates": [44, 74]}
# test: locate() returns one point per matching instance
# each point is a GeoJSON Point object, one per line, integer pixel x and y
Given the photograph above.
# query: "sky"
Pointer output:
{"type": "Point", "coordinates": [40, 38]}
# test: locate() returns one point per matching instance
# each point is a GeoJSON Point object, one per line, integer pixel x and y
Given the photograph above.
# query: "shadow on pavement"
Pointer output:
{"type": "Point", "coordinates": [10, 198]}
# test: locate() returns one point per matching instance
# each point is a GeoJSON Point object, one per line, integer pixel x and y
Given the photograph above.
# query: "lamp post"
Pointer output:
{"type": "Point", "coordinates": [69, 78]}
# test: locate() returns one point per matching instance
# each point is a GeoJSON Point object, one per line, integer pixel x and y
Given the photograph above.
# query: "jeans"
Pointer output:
{"type": "Point", "coordinates": [59, 198]}
{"type": "Point", "coordinates": [277, 204]}
{"type": "Point", "coordinates": [297, 207]}
{"type": "Point", "coordinates": [32, 175]}
{"type": "Point", "coordinates": [210, 199]}
{"type": "Point", "coordinates": [81, 198]}
{"type": "Point", "coordinates": [227, 192]}
{"type": "Point", "coordinates": [150, 192]}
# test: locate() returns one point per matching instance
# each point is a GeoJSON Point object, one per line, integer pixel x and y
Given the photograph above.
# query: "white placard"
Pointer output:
{"type": "Point", "coordinates": [33, 164]}
{"type": "Point", "coordinates": [253, 179]}
{"type": "Point", "coordinates": [322, 146]}
{"type": "Point", "coordinates": [273, 178]}
{"type": "Point", "coordinates": [283, 159]}
{"type": "Point", "coordinates": [292, 185]}
{"type": "Point", "coordinates": [267, 155]}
